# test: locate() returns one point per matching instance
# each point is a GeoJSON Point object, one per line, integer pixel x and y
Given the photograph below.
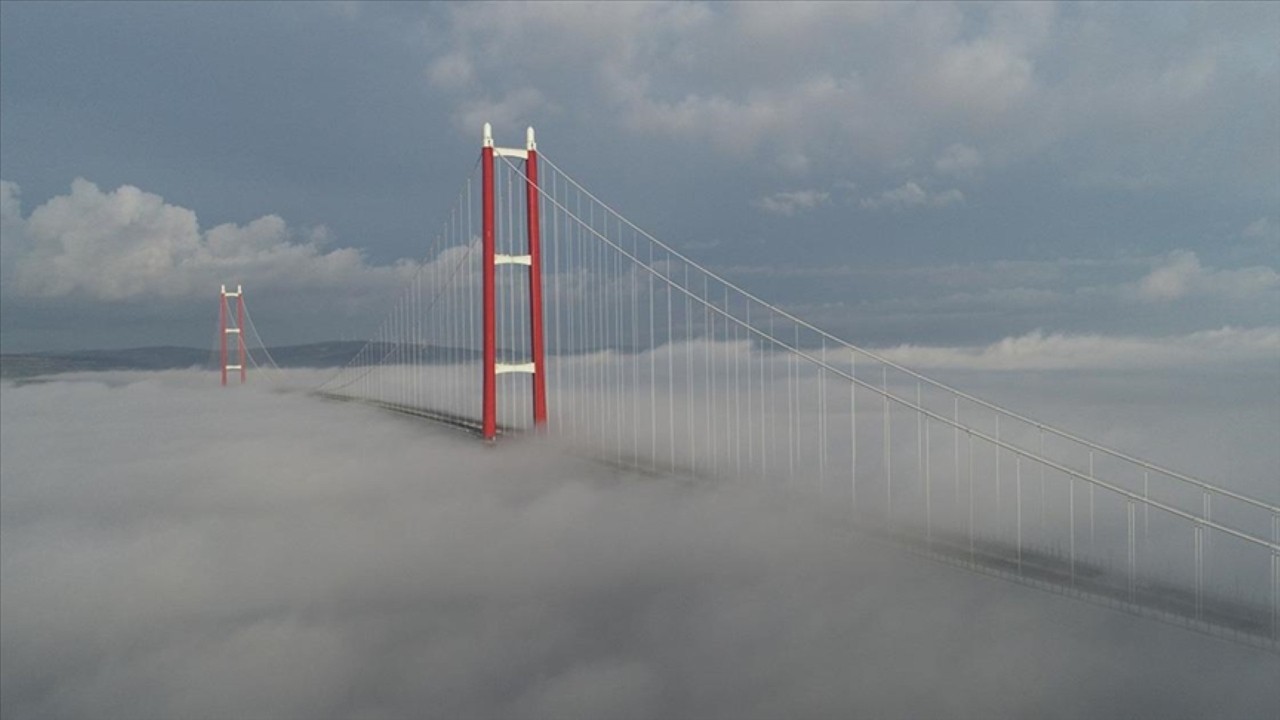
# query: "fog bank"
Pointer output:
{"type": "Point", "coordinates": [170, 548]}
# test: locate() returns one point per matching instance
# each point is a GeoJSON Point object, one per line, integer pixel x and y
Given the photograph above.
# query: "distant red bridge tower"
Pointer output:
{"type": "Point", "coordinates": [225, 329]}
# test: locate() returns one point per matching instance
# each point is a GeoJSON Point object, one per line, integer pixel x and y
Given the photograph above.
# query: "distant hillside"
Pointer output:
{"type": "Point", "coordinates": [152, 358]}
{"type": "Point", "coordinates": [25, 365]}
{"type": "Point", "coordinates": [319, 355]}
{"type": "Point", "coordinates": [339, 353]}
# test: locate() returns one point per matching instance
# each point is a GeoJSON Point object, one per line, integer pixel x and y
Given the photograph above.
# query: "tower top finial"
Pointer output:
{"type": "Point", "coordinates": [529, 141]}
{"type": "Point", "coordinates": [488, 135]}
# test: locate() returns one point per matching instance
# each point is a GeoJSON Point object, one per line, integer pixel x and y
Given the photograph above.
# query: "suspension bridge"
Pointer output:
{"type": "Point", "coordinates": [539, 309]}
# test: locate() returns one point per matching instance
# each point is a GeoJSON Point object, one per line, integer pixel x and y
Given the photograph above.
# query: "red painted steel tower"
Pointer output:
{"type": "Point", "coordinates": [491, 259]}
{"type": "Point", "coordinates": [224, 329]}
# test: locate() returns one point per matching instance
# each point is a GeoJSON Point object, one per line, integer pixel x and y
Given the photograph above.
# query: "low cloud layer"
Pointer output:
{"type": "Point", "coordinates": [127, 260]}
{"type": "Point", "coordinates": [1163, 297]}
{"type": "Point", "coordinates": [910, 195]}
{"type": "Point", "coordinates": [174, 549]}
{"type": "Point", "coordinates": [793, 202]}
{"type": "Point", "coordinates": [1040, 351]}
{"type": "Point", "coordinates": [1180, 275]}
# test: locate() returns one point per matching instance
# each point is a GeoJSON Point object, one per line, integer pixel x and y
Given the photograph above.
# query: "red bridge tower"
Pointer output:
{"type": "Point", "coordinates": [224, 329]}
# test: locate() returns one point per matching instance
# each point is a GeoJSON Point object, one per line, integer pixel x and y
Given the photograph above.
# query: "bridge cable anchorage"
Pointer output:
{"type": "Point", "coordinates": [759, 395]}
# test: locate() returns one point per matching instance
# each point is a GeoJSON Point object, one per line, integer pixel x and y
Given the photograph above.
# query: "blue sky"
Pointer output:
{"type": "Point", "coordinates": [926, 174]}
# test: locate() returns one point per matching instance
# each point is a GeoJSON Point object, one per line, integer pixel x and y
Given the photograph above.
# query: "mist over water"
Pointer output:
{"type": "Point", "coordinates": [170, 548]}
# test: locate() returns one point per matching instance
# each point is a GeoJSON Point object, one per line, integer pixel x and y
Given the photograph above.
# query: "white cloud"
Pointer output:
{"type": "Point", "coordinates": [452, 71]}
{"type": "Point", "coordinates": [1180, 274]}
{"type": "Point", "coordinates": [345, 9]}
{"type": "Point", "coordinates": [796, 163]}
{"type": "Point", "coordinates": [127, 244]}
{"type": "Point", "coordinates": [986, 79]}
{"type": "Point", "coordinates": [878, 82]}
{"type": "Point", "coordinates": [792, 203]}
{"type": "Point", "coordinates": [958, 160]}
{"type": "Point", "coordinates": [510, 113]}
{"type": "Point", "coordinates": [1260, 228]}
{"type": "Point", "coordinates": [739, 126]}
{"type": "Point", "coordinates": [1057, 351]}
{"type": "Point", "coordinates": [1126, 181]}
{"type": "Point", "coordinates": [910, 195]}
{"type": "Point", "coordinates": [1172, 279]}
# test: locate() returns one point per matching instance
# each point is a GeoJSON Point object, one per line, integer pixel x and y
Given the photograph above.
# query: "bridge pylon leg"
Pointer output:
{"type": "Point", "coordinates": [536, 344]}
{"type": "Point", "coordinates": [222, 333]}
{"type": "Point", "coordinates": [489, 408]}
{"type": "Point", "coordinates": [240, 335]}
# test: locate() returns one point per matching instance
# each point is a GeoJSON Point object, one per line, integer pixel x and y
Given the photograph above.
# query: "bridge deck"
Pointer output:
{"type": "Point", "coordinates": [461, 422]}
{"type": "Point", "coordinates": [1249, 624]}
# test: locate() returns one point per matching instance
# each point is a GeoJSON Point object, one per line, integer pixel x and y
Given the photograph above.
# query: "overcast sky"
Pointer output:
{"type": "Point", "coordinates": [928, 173]}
